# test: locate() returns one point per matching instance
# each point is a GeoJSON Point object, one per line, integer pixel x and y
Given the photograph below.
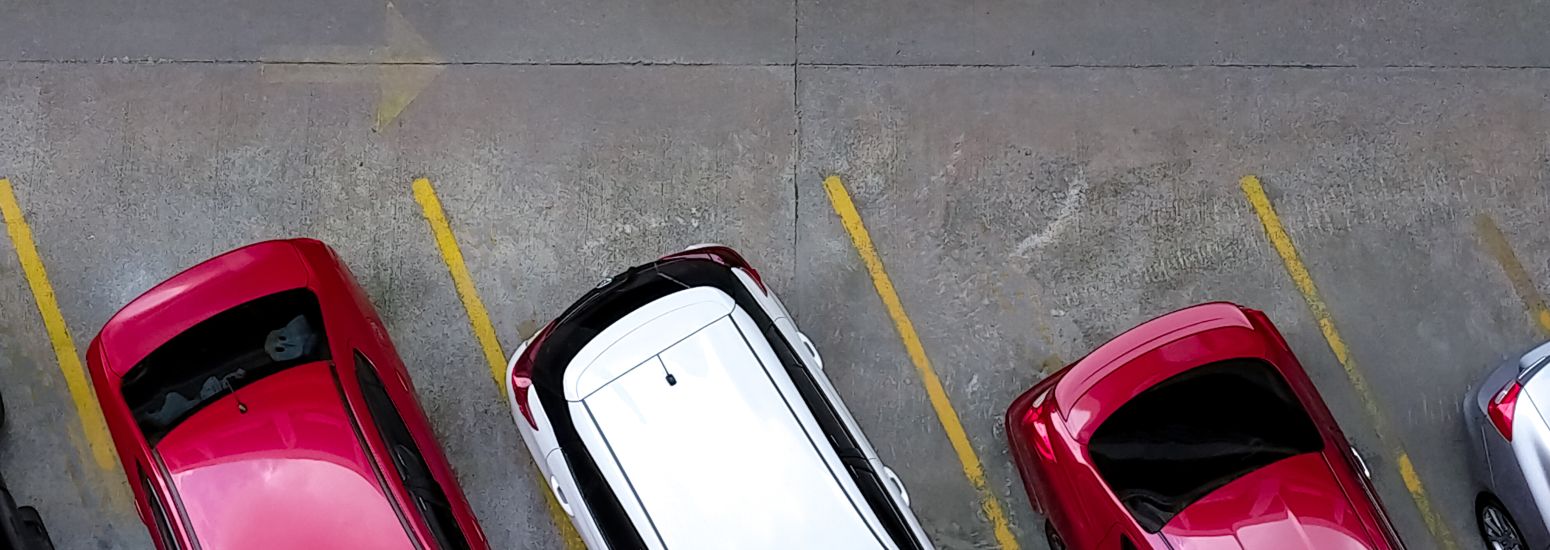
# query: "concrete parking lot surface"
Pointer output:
{"type": "Point", "coordinates": [1035, 178]}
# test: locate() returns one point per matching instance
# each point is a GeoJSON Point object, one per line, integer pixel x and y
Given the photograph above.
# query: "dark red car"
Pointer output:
{"type": "Point", "coordinates": [1197, 429]}
{"type": "Point", "coordinates": [256, 402]}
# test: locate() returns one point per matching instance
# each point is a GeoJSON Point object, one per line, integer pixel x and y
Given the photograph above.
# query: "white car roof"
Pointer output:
{"type": "Point", "coordinates": [640, 335]}
{"type": "Point", "coordinates": [719, 456]}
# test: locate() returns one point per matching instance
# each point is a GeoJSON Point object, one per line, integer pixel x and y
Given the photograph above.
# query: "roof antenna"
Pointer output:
{"type": "Point", "coordinates": [242, 408]}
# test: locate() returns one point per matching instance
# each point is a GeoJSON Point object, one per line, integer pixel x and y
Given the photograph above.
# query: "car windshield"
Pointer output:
{"type": "Point", "coordinates": [1191, 434]}
{"type": "Point", "coordinates": [221, 355]}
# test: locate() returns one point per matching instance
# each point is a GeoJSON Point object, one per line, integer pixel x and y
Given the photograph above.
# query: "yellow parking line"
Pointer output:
{"type": "Point", "coordinates": [92, 423]}
{"type": "Point", "coordinates": [484, 331]}
{"type": "Point", "coordinates": [478, 318]}
{"type": "Point", "coordinates": [1255, 193]}
{"type": "Point", "coordinates": [972, 469]}
{"type": "Point", "coordinates": [1496, 243]}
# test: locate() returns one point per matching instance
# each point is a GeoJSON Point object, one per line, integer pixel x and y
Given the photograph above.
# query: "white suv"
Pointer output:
{"type": "Point", "coordinates": [676, 406]}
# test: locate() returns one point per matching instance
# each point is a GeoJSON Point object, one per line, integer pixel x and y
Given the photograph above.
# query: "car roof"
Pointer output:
{"type": "Point", "coordinates": [280, 464]}
{"type": "Point", "coordinates": [1139, 358]}
{"type": "Point", "coordinates": [642, 334]}
{"type": "Point", "coordinates": [196, 294]}
{"type": "Point", "coordinates": [1293, 503]}
{"type": "Point", "coordinates": [721, 454]}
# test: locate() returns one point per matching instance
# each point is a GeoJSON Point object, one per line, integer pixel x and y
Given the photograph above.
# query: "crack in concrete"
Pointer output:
{"type": "Point", "coordinates": [817, 65]}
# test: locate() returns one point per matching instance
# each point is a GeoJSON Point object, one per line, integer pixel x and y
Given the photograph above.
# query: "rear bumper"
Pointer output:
{"type": "Point", "coordinates": [1476, 425]}
{"type": "Point", "coordinates": [1474, 422]}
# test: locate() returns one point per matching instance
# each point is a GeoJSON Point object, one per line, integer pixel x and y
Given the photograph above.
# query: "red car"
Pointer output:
{"type": "Point", "coordinates": [256, 402]}
{"type": "Point", "coordinates": [1197, 429]}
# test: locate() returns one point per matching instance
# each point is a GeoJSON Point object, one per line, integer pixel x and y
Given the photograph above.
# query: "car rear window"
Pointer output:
{"type": "Point", "coordinates": [221, 355]}
{"type": "Point", "coordinates": [1191, 434]}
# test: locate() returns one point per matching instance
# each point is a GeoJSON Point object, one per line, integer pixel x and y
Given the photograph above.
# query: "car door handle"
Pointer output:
{"type": "Point", "coordinates": [559, 495]}
{"type": "Point", "coordinates": [811, 350]}
{"type": "Point", "coordinates": [898, 484]}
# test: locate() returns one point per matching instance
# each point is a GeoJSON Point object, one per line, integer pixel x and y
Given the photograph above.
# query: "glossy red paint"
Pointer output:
{"type": "Point", "coordinates": [295, 444]}
{"type": "Point", "coordinates": [1296, 503]}
{"type": "Point", "coordinates": [194, 295]}
{"type": "Point", "coordinates": [294, 462]}
{"type": "Point", "coordinates": [1050, 425]}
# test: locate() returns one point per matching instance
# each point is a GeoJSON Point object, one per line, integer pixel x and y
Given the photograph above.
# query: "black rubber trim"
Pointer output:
{"type": "Point", "coordinates": [360, 438]}
{"type": "Point", "coordinates": [428, 497]}
{"type": "Point", "coordinates": [177, 501]}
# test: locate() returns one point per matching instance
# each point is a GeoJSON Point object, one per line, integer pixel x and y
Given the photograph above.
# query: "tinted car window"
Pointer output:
{"type": "Point", "coordinates": [429, 499]}
{"type": "Point", "coordinates": [222, 354]}
{"type": "Point", "coordinates": [1195, 432]}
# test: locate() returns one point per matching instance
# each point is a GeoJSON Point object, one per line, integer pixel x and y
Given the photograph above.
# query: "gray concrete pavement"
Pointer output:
{"type": "Point", "coordinates": [1026, 213]}
{"type": "Point", "coordinates": [467, 31]}
{"type": "Point", "coordinates": [1030, 214]}
{"type": "Point", "coordinates": [1077, 32]}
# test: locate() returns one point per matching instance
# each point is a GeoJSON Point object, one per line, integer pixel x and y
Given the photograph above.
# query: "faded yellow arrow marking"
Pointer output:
{"type": "Point", "coordinates": [400, 81]}
{"type": "Point", "coordinates": [401, 68]}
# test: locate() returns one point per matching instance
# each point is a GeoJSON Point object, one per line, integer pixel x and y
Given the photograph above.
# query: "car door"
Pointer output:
{"type": "Point", "coordinates": [562, 483]}
{"type": "Point", "coordinates": [162, 532]}
{"type": "Point", "coordinates": [1117, 540]}
{"type": "Point", "coordinates": [428, 497]}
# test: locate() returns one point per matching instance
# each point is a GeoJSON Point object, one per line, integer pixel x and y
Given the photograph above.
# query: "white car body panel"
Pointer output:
{"type": "Point", "coordinates": [1534, 356]}
{"type": "Point", "coordinates": [757, 477]}
{"type": "Point", "coordinates": [641, 334]}
{"type": "Point", "coordinates": [712, 500]}
{"type": "Point", "coordinates": [545, 449]}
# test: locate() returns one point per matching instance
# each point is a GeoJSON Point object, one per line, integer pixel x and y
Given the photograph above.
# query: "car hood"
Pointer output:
{"type": "Point", "coordinates": [289, 472]}
{"type": "Point", "coordinates": [1293, 503]}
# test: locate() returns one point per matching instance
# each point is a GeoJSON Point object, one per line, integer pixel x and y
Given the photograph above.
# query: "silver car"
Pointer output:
{"type": "Point", "coordinates": [1510, 441]}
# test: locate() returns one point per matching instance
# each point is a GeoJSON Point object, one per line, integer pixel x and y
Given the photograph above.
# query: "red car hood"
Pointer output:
{"type": "Point", "coordinates": [1293, 503]}
{"type": "Point", "coordinates": [288, 473]}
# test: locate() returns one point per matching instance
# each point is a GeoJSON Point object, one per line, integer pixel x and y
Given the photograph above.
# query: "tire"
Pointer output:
{"type": "Point", "coordinates": [33, 530]}
{"type": "Point", "coordinates": [1052, 537]}
{"type": "Point", "coordinates": [1497, 529]}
